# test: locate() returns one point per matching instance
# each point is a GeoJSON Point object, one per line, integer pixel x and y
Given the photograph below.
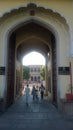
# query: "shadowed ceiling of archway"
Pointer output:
{"type": "Point", "coordinates": [32, 44]}
{"type": "Point", "coordinates": [35, 37]}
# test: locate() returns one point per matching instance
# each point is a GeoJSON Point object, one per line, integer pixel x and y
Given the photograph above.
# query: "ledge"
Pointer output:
{"type": "Point", "coordinates": [65, 101]}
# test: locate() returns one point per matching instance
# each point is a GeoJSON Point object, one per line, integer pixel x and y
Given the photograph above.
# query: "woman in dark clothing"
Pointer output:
{"type": "Point", "coordinates": [34, 93]}
{"type": "Point", "coordinates": [42, 88]}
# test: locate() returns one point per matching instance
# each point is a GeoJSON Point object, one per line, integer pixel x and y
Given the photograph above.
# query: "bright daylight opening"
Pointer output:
{"type": "Point", "coordinates": [33, 58]}
{"type": "Point", "coordinates": [33, 70]}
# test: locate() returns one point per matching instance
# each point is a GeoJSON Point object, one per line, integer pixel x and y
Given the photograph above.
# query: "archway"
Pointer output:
{"type": "Point", "coordinates": [48, 26]}
{"type": "Point", "coordinates": [38, 41]}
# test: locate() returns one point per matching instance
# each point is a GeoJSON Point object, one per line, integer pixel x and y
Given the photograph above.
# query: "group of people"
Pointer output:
{"type": "Point", "coordinates": [35, 93]}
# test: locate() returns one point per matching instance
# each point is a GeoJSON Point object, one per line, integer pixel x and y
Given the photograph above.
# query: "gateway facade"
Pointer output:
{"type": "Point", "coordinates": [43, 26]}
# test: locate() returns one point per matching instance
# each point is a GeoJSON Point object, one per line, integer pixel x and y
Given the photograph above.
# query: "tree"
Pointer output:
{"type": "Point", "coordinates": [26, 72]}
{"type": "Point", "coordinates": [42, 72]}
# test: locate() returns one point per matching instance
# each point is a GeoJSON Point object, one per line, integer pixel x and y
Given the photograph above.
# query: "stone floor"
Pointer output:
{"type": "Point", "coordinates": [39, 115]}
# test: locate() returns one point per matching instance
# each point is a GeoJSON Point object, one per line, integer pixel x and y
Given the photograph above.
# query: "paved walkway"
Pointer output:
{"type": "Point", "coordinates": [40, 115]}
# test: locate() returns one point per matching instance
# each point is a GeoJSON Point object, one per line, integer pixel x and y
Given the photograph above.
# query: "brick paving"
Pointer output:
{"type": "Point", "coordinates": [39, 115]}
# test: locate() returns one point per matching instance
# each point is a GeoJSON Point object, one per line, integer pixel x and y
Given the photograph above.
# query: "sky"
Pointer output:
{"type": "Point", "coordinates": [33, 58]}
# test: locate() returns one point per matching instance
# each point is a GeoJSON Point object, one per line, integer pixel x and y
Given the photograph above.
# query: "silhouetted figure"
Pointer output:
{"type": "Point", "coordinates": [34, 93]}
{"type": "Point", "coordinates": [37, 92]}
{"type": "Point", "coordinates": [27, 94]}
{"type": "Point", "coordinates": [42, 88]}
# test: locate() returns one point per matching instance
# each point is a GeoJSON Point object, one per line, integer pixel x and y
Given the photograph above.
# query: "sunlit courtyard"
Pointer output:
{"type": "Point", "coordinates": [33, 58]}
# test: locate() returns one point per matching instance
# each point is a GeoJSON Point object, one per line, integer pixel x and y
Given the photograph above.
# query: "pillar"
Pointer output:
{"type": "Point", "coordinates": [46, 77]}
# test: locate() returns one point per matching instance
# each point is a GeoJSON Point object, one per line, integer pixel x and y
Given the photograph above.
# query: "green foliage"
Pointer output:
{"type": "Point", "coordinates": [26, 72]}
{"type": "Point", "coordinates": [42, 72]}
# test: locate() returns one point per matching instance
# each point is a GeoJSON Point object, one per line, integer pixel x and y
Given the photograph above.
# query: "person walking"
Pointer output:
{"type": "Point", "coordinates": [27, 95]}
{"type": "Point", "coordinates": [42, 88]}
{"type": "Point", "coordinates": [37, 93]}
{"type": "Point", "coordinates": [34, 92]}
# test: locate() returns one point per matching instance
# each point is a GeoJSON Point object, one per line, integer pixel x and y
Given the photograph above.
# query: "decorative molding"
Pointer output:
{"type": "Point", "coordinates": [34, 5]}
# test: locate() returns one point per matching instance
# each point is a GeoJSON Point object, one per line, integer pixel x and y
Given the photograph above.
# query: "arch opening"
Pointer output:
{"type": "Point", "coordinates": [41, 42]}
{"type": "Point", "coordinates": [33, 58]}
{"type": "Point", "coordinates": [34, 65]}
